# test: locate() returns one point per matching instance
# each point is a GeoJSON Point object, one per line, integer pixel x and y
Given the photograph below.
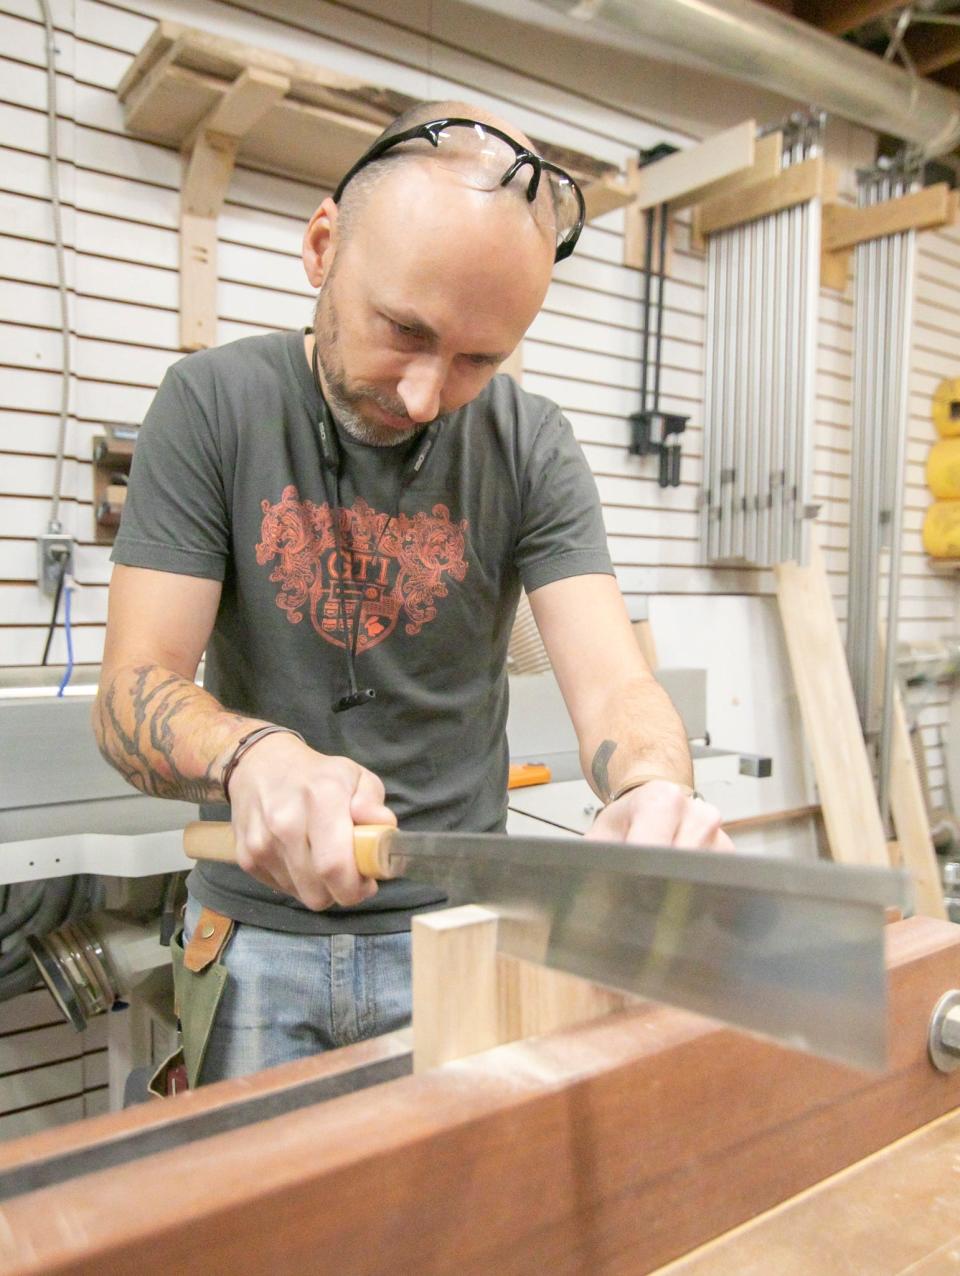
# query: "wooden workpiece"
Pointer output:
{"type": "Point", "coordinates": [613, 1147]}
{"type": "Point", "coordinates": [467, 997]}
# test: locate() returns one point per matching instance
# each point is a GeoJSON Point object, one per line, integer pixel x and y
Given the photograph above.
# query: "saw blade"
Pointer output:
{"type": "Point", "coordinates": [790, 949]}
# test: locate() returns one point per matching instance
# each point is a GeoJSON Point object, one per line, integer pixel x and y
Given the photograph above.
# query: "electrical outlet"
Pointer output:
{"type": "Point", "coordinates": [51, 547]}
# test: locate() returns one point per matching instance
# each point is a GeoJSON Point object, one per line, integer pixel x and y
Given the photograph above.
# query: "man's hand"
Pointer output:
{"type": "Point", "coordinates": [661, 814]}
{"type": "Point", "coordinates": [293, 812]}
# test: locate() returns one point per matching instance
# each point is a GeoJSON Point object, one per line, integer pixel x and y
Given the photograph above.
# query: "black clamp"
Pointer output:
{"type": "Point", "coordinates": [659, 432]}
{"type": "Point", "coordinates": [653, 431]}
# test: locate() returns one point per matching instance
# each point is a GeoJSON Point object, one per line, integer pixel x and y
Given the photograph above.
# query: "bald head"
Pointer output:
{"type": "Point", "coordinates": [429, 277]}
{"type": "Point", "coordinates": [360, 188]}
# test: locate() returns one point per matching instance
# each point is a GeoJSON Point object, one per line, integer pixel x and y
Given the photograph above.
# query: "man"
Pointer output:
{"type": "Point", "coordinates": [342, 520]}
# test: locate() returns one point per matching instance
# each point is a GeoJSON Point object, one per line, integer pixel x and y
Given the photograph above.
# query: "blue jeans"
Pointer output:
{"type": "Point", "coordinates": [290, 996]}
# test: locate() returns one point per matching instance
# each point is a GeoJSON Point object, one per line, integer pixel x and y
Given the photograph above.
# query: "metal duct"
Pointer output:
{"type": "Point", "coordinates": [751, 42]}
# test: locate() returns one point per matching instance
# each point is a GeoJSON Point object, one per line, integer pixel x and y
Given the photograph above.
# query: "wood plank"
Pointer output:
{"type": "Point", "coordinates": [797, 184]}
{"type": "Point", "coordinates": [822, 1229]}
{"type": "Point", "coordinates": [207, 170]}
{"type": "Point", "coordinates": [249, 97]}
{"type": "Point", "coordinates": [610, 1148]}
{"type": "Point", "coordinates": [467, 997]}
{"type": "Point", "coordinates": [533, 1000]}
{"type": "Point", "coordinates": [164, 34]}
{"type": "Point", "coordinates": [768, 155]}
{"type": "Point", "coordinates": [834, 270]}
{"type": "Point", "coordinates": [635, 240]}
{"type": "Point", "coordinates": [827, 707]}
{"type": "Point", "coordinates": [845, 226]}
{"type": "Point", "coordinates": [454, 985]}
{"type": "Point", "coordinates": [606, 194]}
{"type": "Point", "coordinates": [140, 101]}
{"type": "Point", "coordinates": [909, 809]}
{"type": "Point", "coordinates": [768, 818]}
{"type": "Point", "coordinates": [685, 177]}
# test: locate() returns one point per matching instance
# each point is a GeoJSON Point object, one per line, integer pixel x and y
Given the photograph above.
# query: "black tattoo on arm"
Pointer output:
{"type": "Point", "coordinates": [137, 733]}
{"type": "Point", "coordinates": [599, 768]}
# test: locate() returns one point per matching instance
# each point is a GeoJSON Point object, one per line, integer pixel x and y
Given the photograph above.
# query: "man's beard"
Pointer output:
{"type": "Point", "coordinates": [342, 399]}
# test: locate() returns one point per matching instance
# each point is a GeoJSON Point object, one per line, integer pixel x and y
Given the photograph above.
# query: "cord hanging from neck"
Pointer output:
{"type": "Point", "coordinates": [330, 452]}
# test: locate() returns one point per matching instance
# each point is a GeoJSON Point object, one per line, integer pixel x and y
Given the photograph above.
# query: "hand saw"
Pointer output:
{"type": "Point", "coordinates": [791, 949]}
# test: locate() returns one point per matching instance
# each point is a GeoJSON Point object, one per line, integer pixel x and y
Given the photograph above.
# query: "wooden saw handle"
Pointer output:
{"type": "Point", "coordinates": [213, 840]}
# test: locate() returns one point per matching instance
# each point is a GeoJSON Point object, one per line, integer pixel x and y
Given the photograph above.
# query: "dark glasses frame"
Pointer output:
{"type": "Point", "coordinates": [431, 131]}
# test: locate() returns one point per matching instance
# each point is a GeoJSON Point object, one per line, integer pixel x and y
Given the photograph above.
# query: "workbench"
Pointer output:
{"type": "Point", "coordinates": [645, 1139]}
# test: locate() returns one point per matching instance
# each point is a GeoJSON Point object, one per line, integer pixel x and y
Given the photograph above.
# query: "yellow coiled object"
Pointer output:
{"type": "Point", "coordinates": [941, 530]}
{"type": "Point", "coordinates": [943, 470]}
{"type": "Point", "coordinates": [945, 408]}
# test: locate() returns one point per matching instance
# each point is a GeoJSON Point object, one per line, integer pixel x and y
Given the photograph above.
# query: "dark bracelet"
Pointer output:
{"type": "Point", "coordinates": [247, 742]}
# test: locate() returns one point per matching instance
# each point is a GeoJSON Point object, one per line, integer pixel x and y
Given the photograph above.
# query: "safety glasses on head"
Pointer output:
{"type": "Point", "coordinates": [488, 159]}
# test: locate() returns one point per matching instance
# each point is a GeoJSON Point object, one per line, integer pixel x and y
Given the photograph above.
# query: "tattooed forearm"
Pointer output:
{"type": "Point", "coordinates": [600, 768]}
{"type": "Point", "coordinates": [165, 735]}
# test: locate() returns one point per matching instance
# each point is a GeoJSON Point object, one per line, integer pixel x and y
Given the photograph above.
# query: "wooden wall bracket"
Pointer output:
{"type": "Point", "coordinates": [845, 226]}
{"type": "Point", "coordinates": [810, 179]}
{"type": "Point", "coordinates": [222, 102]}
{"type": "Point", "coordinates": [685, 178]}
{"type": "Point", "coordinates": [112, 458]}
{"type": "Point", "coordinates": [209, 157]}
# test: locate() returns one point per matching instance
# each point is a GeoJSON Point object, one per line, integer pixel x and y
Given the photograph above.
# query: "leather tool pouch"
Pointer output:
{"type": "Point", "coordinates": [199, 978]}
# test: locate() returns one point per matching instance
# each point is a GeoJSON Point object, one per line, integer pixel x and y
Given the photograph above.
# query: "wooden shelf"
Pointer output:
{"type": "Point", "coordinates": [111, 467]}
{"type": "Point", "coordinates": [220, 101]}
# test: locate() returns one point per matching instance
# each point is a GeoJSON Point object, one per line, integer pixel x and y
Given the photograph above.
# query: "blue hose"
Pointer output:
{"type": "Point", "coordinates": [68, 633]}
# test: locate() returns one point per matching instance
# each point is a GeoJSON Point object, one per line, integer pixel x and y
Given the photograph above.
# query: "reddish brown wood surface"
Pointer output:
{"type": "Point", "coordinates": [611, 1148]}
{"type": "Point", "coordinates": [113, 1126]}
{"type": "Point", "coordinates": [896, 1213]}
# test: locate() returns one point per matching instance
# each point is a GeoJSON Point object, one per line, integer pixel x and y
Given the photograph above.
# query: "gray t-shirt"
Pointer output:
{"type": "Point", "coordinates": [228, 483]}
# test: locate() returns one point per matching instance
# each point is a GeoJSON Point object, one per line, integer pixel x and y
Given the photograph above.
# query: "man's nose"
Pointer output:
{"type": "Point", "coordinates": [421, 386]}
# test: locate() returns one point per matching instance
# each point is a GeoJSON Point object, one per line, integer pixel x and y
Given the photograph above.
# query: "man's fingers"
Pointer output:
{"type": "Point", "coordinates": [661, 814]}
{"type": "Point", "coordinates": [333, 859]}
{"type": "Point", "coordinates": [263, 859]}
{"type": "Point", "coordinates": [700, 828]}
{"type": "Point", "coordinates": [368, 803]}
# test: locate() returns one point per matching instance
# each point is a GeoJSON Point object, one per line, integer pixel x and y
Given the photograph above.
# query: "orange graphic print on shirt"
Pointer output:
{"type": "Point", "coordinates": [391, 568]}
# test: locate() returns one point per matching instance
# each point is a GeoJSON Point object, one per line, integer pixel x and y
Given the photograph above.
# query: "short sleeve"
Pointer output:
{"type": "Point", "coordinates": [175, 517]}
{"type": "Point", "coordinates": [561, 530]}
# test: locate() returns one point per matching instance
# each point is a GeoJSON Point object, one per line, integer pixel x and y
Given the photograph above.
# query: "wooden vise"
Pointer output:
{"type": "Point", "coordinates": [614, 1146]}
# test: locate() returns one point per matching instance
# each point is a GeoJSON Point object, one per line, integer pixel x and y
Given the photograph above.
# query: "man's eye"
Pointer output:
{"type": "Point", "coordinates": [403, 329]}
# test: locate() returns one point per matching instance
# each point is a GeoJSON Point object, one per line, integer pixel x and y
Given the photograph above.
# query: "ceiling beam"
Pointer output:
{"type": "Point", "coordinates": [932, 48]}
{"type": "Point", "coordinates": [840, 16]}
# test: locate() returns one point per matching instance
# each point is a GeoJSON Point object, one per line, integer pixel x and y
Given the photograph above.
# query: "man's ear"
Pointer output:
{"type": "Point", "coordinates": [320, 242]}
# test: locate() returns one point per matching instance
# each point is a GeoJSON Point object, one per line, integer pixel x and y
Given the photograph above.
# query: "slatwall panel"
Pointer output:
{"type": "Point", "coordinates": [121, 202]}
{"type": "Point", "coordinates": [49, 1074]}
